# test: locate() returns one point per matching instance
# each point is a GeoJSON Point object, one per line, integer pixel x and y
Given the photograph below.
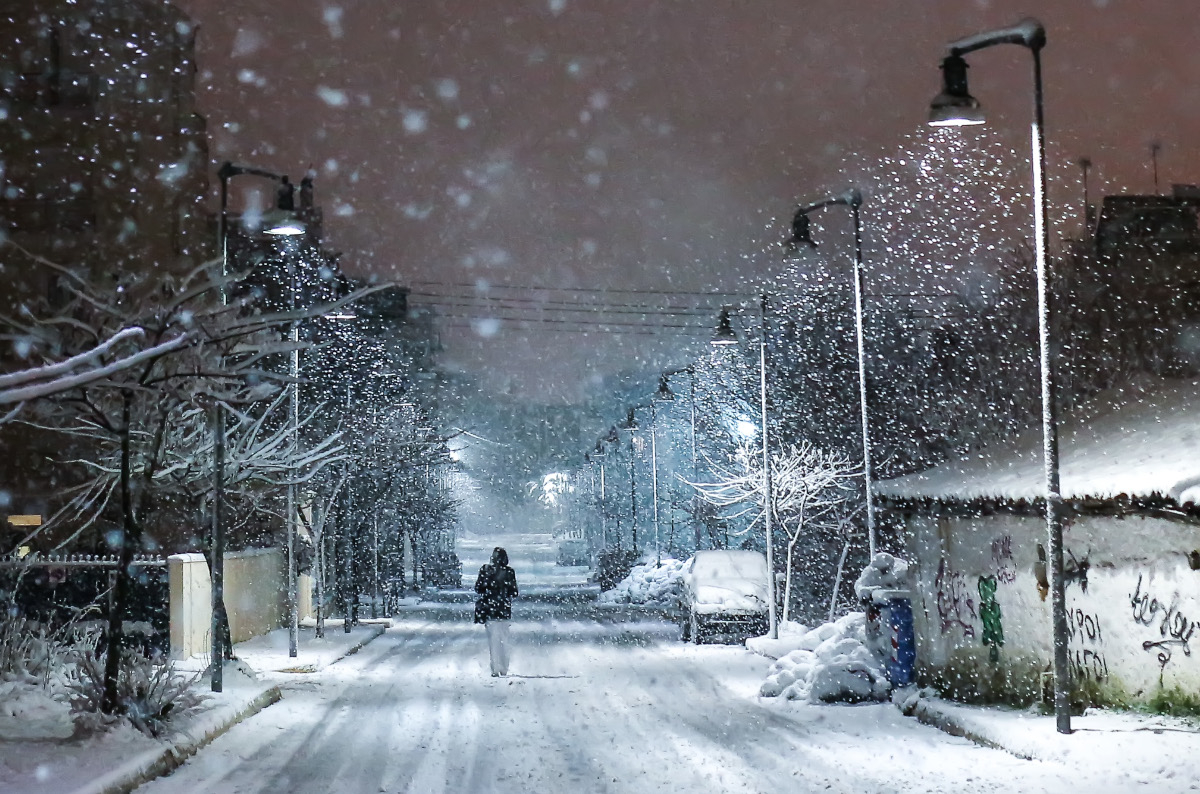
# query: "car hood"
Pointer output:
{"type": "Point", "coordinates": [738, 594]}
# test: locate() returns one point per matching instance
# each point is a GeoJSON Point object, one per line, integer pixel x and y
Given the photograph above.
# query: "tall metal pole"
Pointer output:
{"type": "Point", "coordinates": [217, 626]}
{"type": "Point", "coordinates": [293, 506]}
{"type": "Point", "coordinates": [348, 565]}
{"type": "Point", "coordinates": [695, 476]}
{"type": "Point", "coordinates": [632, 494]}
{"type": "Point", "coordinates": [375, 564]}
{"type": "Point", "coordinates": [766, 460]}
{"type": "Point", "coordinates": [603, 511]}
{"type": "Point", "coordinates": [217, 572]}
{"type": "Point", "coordinates": [1054, 527]}
{"type": "Point", "coordinates": [862, 376]}
{"type": "Point", "coordinates": [654, 480]}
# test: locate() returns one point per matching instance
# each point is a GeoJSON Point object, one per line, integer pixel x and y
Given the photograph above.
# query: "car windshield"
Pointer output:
{"type": "Point", "coordinates": [730, 565]}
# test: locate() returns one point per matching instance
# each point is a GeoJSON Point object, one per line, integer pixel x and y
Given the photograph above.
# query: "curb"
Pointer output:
{"type": "Point", "coordinates": [156, 763]}
{"type": "Point", "coordinates": [377, 631]}
{"type": "Point", "coordinates": [930, 715]}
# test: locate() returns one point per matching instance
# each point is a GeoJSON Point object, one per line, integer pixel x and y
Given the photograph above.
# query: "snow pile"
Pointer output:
{"type": "Point", "coordinates": [30, 712]}
{"type": "Point", "coordinates": [884, 572]}
{"type": "Point", "coordinates": [833, 663]}
{"type": "Point", "coordinates": [791, 635]}
{"type": "Point", "coordinates": [649, 584]}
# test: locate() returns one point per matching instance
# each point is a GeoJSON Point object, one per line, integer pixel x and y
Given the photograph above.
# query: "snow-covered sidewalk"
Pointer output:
{"type": "Point", "coordinates": [268, 653]}
{"type": "Point", "coordinates": [119, 759]}
{"type": "Point", "coordinates": [1130, 750]}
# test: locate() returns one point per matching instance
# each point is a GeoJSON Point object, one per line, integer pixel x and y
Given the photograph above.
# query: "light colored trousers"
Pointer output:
{"type": "Point", "coordinates": [497, 632]}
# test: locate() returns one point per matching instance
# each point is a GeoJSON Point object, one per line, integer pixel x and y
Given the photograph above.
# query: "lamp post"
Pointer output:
{"type": "Point", "coordinates": [665, 395]}
{"type": "Point", "coordinates": [955, 106]}
{"type": "Point", "coordinates": [631, 426]}
{"type": "Point", "coordinates": [801, 237]}
{"type": "Point", "coordinates": [725, 336]}
{"type": "Point", "coordinates": [284, 225]}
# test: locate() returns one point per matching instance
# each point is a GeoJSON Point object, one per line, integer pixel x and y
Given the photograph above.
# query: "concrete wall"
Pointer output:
{"type": "Point", "coordinates": [1133, 601]}
{"type": "Point", "coordinates": [255, 598]}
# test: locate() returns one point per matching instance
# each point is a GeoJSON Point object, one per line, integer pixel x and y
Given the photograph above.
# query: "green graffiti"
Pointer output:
{"type": "Point", "coordinates": [989, 614]}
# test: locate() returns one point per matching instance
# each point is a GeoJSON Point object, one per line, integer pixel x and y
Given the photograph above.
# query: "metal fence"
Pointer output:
{"type": "Point", "coordinates": [57, 589]}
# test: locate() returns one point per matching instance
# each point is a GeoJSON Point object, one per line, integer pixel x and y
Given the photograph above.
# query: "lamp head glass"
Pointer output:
{"type": "Point", "coordinates": [954, 106]}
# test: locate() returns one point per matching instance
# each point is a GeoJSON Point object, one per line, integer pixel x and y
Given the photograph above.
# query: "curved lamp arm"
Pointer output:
{"type": "Point", "coordinates": [1028, 32]}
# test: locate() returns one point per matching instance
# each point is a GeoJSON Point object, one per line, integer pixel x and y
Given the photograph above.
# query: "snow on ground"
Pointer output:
{"type": "Point", "coordinates": [1129, 751]}
{"type": "Point", "coordinates": [791, 636]}
{"type": "Point", "coordinates": [1125, 442]}
{"type": "Point", "coordinates": [66, 765]}
{"type": "Point", "coordinates": [592, 706]}
{"type": "Point", "coordinates": [38, 753]}
{"type": "Point", "coordinates": [831, 663]}
{"type": "Point", "coordinates": [28, 712]}
{"type": "Point", "coordinates": [649, 584]}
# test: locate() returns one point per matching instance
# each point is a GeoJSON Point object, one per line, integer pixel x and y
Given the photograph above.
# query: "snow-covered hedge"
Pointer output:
{"type": "Point", "coordinates": [833, 663]}
{"type": "Point", "coordinates": [649, 584]}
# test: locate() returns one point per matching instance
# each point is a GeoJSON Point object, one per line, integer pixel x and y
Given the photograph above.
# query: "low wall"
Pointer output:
{"type": "Point", "coordinates": [1133, 604]}
{"type": "Point", "coordinates": [255, 598]}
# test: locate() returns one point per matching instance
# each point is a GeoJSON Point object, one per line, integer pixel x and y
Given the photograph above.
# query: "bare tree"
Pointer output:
{"type": "Point", "coordinates": [811, 488]}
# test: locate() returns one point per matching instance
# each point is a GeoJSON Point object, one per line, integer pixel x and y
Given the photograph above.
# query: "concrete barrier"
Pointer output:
{"type": "Point", "coordinates": [255, 597]}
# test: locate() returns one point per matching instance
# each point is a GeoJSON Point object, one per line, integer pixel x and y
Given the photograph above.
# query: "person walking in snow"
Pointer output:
{"type": "Point", "coordinates": [497, 587]}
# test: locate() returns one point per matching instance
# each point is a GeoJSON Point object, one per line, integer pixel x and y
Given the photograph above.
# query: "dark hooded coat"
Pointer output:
{"type": "Point", "coordinates": [497, 587]}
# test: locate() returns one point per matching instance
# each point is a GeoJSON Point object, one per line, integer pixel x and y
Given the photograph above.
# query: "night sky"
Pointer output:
{"type": "Point", "coordinates": [654, 145]}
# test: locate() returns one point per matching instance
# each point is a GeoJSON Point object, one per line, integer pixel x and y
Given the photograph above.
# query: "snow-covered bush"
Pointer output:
{"type": "Point", "coordinates": [832, 663]}
{"type": "Point", "coordinates": [649, 584]}
{"type": "Point", "coordinates": [150, 692]}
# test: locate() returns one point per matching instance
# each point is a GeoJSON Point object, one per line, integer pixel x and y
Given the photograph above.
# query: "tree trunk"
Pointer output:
{"type": "Point", "coordinates": [837, 580]}
{"type": "Point", "coordinates": [130, 541]}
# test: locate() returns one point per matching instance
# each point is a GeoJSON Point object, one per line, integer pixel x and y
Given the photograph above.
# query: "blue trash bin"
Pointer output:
{"type": "Point", "coordinates": [901, 664]}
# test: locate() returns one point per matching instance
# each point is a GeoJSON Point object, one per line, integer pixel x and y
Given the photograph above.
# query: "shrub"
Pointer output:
{"type": "Point", "coordinates": [150, 692]}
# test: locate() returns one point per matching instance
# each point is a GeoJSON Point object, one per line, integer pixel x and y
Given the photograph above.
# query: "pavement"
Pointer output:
{"type": "Point", "coordinates": [1129, 750]}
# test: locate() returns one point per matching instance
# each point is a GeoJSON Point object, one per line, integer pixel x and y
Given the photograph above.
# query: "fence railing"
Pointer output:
{"type": "Point", "coordinates": [77, 561]}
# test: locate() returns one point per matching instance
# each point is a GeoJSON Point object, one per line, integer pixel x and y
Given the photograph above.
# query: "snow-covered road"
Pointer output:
{"type": "Point", "coordinates": [593, 706]}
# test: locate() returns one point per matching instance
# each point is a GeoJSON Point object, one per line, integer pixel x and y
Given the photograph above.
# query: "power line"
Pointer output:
{"type": "Point", "coordinates": [602, 290]}
{"type": "Point", "coordinates": [597, 330]}
{"type": "Point", "coordinates": [557, 321]}
{"type": "Point", "coordinates": [506, 304]}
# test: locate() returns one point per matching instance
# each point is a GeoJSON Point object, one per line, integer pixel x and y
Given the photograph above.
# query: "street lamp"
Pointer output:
{"type": "Point", "coordinates": [955, 106]}
{"type": "Point", "coordinates": [725, 336]}
{"type": "Point", "coordinates": [278, 224]}
{"type": "Point", "coordinates": [666, 395]}
{"type": "Point", "coordinates": [801, 238]}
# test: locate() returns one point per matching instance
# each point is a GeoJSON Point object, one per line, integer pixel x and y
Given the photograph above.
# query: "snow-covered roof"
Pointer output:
{"type": "Point", "coordinates": [1131, 443]}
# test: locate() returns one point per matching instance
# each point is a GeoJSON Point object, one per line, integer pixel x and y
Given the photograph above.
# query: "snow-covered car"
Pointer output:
{"type": "Point", "coordinates": [724, 593]}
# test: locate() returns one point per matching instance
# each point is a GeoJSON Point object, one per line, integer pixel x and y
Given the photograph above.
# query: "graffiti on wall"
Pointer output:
{"type": "Point", "coordinates": [1086, 645]}
{"type": "Point", "coordinates": [1075, 571]}
{"type": "Point", "coordinates": [990, 616]}
{"type": "Point", "coordinates": [956, 608]}
{"type": "Point", "coordinates": [1002, 559]}
{"type": "Point", "coordinates": [1174, 627]}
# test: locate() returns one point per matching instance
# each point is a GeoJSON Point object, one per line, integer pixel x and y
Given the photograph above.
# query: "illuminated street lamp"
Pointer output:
{"type": "Point", "coordinates": [725, 336]}
{"type": "Point", "coordinates": [955, 106]}
{"type": "Point", "coordinates": [276, 222]}
{"type": "Point", "coordinates": [800, 239]}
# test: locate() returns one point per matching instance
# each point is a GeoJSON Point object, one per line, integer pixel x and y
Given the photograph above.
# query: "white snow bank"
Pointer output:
{"type": "Point", "coordinates": [791, 634]}
{"type": "Point", "coordinates": [650, 584]}
{"type": "Point", "coordinates": [832, 663]}
{"type": "Point", "coordinates": [1124, 442]}
{"type": "Point", "coordinates": [883, 573]}
{"type": "Point", "coordinates": [30, 712]}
